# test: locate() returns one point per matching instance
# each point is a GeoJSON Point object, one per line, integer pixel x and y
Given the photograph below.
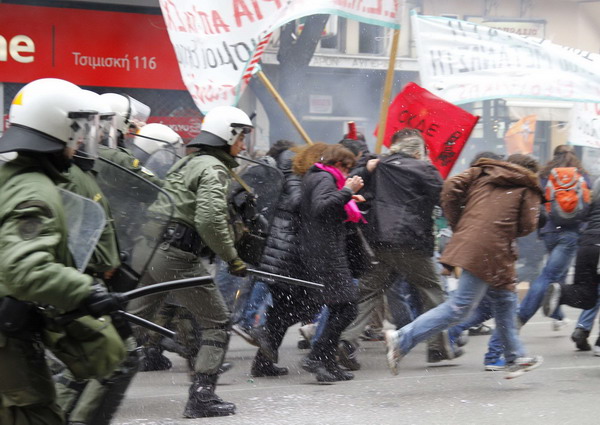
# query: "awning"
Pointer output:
{"type": "Point", "coordinates": [545, 110]}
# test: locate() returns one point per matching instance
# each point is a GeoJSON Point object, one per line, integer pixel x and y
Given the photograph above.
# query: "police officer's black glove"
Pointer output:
{"type": "Point", "coordinates": [100, 303]}
{"type": "Point", "coordinates": [237, 267]}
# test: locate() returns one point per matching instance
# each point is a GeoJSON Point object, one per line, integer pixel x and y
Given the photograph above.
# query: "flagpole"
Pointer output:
{"type": "Point", "coordinates": [387, 92]}
{"type": "Point", "coordinates": [286, 109]}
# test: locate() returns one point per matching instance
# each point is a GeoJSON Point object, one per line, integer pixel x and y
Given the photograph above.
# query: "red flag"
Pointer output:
{"type": "Point", "coordinates": [444, 126]}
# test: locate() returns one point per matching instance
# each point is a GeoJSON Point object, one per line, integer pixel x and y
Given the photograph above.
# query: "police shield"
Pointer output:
{"type": "Point", "coordinates": [161, 161]}
{"type": "Point", "coordinates": [254, 198]}
{"type": "Point", "coordinates": [138, 230]}
{"type": "Point", "coordinates": [86, 221]}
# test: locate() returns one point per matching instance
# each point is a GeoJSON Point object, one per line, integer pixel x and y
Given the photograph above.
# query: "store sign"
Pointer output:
{"type": "Point", "coordinates": [86, 47]}
{"type": "Point", "coordinates": [527, 28]}
{"type": "Point", "coordinates": [585, 125]}
{"type": "Point", "coordinates": [465, 62]}
{"type": "Point", "coordinates": [320, 104]}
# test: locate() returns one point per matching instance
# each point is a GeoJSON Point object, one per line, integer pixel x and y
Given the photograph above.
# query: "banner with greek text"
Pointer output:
{"type": "Point", "coordinates": [219, 42]}
{"type": "Point", "coordinates": [585, 125]}
{"type": "Point", "coordinates": [465, 62]}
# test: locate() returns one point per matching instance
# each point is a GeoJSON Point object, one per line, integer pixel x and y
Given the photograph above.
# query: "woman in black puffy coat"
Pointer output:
{"type": "Point", "coordinates": [327, 203]}
{"type": "Point", "coordinates": [291, 304]}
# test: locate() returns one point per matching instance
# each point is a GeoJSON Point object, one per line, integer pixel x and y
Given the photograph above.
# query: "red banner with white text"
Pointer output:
{"type": "Point", "coordinates": [444, 126]}
{"type": "Point", "coordinates": [86, 47]}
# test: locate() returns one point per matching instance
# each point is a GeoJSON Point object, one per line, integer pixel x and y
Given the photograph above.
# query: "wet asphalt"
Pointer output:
{"type": "Point", "coordinates": [564, 390]}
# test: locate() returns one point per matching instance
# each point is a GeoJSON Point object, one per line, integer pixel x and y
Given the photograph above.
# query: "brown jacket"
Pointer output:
{"type": "Point", "coordinates": [488, 206]}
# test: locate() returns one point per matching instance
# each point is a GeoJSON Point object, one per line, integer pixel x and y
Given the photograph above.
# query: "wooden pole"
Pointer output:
{"type": "Point", "coordinates": [387, 92]}
{"type": "Point", "coordinates": [286, 109]}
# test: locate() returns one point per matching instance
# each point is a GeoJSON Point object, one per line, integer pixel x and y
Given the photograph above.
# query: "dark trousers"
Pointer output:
{"type": "Point", "coordinates": [584, 291]}
{"type": "Point", "coordinates": [290, 306]}
{"type": "Point", "coordinates": [340, 316]}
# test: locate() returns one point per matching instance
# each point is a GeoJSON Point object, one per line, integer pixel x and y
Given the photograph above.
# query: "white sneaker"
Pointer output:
{"type": "Point", "coordinates": [557, 325]}
{"type": "Point", "coordinates": [596, 350]}
{"type": "Point", "coordinates": [522, 365]}
{"type": "Point", "coordinates": [551, 299]}
{"type": "Point", "coordinates": [308, 331]}
{"type": "Point", "coordinates": [394, 355]}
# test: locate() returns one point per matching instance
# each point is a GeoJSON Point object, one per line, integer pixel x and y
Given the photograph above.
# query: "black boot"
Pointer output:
{"type": "Point", "coordinates": [579, 337]}
{"type": "Point", "coordinates": [152, 359]}
{"type": "Point", "coordinates": [340, 374]}
{"type": "Point", "coordinates": [323, 372]}
{"type": "Point", "coordinates": [264, 367]}
{"type": "Point", "coordinates": [203, 402]}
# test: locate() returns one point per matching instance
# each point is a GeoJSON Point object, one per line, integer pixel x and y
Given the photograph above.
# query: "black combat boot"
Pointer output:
{"type": "Point", "coordinates": [264, 367]}
{"type": "Point", "coordinates": [153, 359]}
{"type": "Point", "coordinates": [203, 401]}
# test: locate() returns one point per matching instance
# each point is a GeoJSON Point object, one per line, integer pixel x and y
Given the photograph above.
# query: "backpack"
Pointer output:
{"type": "Point", "coordinates": [567, 196]}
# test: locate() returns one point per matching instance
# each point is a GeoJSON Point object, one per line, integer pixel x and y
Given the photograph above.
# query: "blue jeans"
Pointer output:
{"type": "Point", "coordinates": [458, 307]}
{"type": "Point", "coordinates": [404, 304]}
{"type": "Point", "coordinates": [586, 318]}
{"type": "Point", "coordinates": [561, 247]}
{"type": "Point", "coordinates": [483, 312]}
{"type": "Point", "coordinates": [259, 298]}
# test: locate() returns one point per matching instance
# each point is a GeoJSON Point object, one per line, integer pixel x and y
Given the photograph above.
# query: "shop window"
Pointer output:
{"type": "Point", "coordinates": [333, 35]}
{"type": "Point", "coordinates": [371, 39]}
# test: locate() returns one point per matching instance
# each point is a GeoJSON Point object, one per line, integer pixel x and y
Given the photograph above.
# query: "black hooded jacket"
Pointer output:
{"type": "Point", "coordinates": [404, 190]}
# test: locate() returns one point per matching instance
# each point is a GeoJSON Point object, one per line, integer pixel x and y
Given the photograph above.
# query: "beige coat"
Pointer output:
{"type": "Point", "coordinates": [488, 206]}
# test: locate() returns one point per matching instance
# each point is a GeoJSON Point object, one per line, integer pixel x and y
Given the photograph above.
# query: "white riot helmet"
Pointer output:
{"type": "Point", "coordinates": [153, 137]}
{"type": "Point", "coordinates": [48, 115]}
{"type": "Point", "coordinates": [129, 112]}
{"type": "Point", "coordinates": [221, 127]}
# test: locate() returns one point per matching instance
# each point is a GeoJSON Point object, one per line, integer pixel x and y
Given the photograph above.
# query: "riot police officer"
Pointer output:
{"type": "Point", "coordinates": [49, 120]}
{"type": "Point", "coordinates": [199, 183]}
{"type": "Point", "coordinates": [130, 116]}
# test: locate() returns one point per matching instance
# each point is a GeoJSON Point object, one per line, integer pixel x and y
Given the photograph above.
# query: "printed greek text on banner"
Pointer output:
{"type": "Point", "coordinates": [464, 62]}
{"type": "Point", "coordinates": [216, 40]}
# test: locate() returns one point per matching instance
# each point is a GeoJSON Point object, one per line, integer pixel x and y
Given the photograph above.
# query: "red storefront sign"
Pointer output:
{"type": "Point", "coordinates": [86, 47]}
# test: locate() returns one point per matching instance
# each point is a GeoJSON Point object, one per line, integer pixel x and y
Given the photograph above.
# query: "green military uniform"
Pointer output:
{"type": "Point", "coordinates": [198, 185]}
{"type": "Point", "coordinates": [95, 401]}
{"type": "Point", "coordinates": [125, 159]}
{"type": "Point", "coordinates": [36, 267]}
{"type": "Point", "coordinates": [106, 254]}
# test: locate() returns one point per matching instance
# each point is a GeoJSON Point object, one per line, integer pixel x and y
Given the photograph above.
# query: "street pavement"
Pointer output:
{"type": "Point", "coordinates": [564, 390]}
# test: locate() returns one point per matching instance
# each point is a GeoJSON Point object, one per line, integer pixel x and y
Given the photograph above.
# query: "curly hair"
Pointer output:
{"type": "Point", "coordinates": [306, 156]}
{"type": "Point", "coordinates": [338, 153]}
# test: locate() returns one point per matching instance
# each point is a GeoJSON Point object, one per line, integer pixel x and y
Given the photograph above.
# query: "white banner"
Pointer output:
{"type": "Point", "coordinates": [217, 42]}
{"type": "Point", "coordinates": [585, 125]}
{"type": "Point", "coordinates": [465, 62]}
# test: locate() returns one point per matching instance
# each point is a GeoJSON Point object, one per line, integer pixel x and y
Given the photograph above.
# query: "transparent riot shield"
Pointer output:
{"type": "Point", "coordinates": [161, 161]}
{"type": "Point", "coordinates": [139, 231]}
{"type": "Point", "coordinates": [86, 221]}
{"type": "Point", "coordinates": [253, 207]}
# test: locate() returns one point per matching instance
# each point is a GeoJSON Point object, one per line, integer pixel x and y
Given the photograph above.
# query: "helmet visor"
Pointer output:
{"type": "Point", "coordinates": [138, 113]}
{"type": "Point", "coordinates": [107, 130]}
{"type": "Point", "coordinates": [241, 128]}
{"type": "Point", "coordinates": [84, 133]}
